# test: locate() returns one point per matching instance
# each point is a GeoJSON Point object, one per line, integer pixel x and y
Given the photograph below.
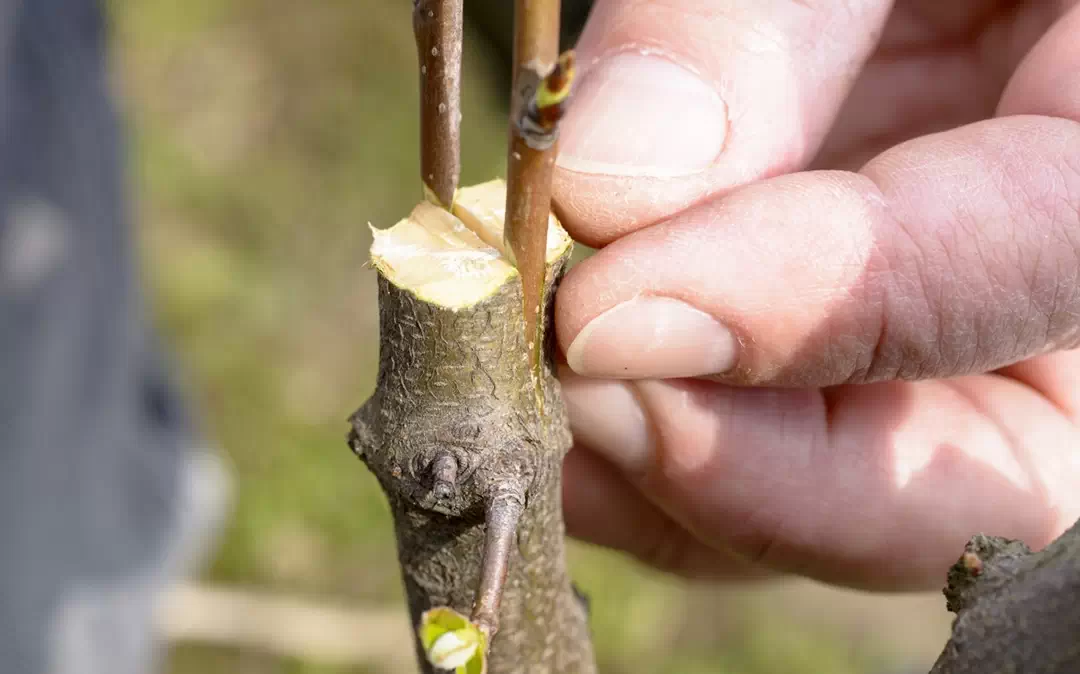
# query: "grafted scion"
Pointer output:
{"type": "Point", "coordinates": [542, 84]}
{"type": "Point", "coordinates": [437, 25]}
{"type": "Point", "coordinates": [469, 464]}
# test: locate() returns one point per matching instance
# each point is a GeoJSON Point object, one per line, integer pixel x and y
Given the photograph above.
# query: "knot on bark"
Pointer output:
{"type": "Point", "coordinates": [432, 461]}
{"type": "Point", "coordinates": [988, 563]}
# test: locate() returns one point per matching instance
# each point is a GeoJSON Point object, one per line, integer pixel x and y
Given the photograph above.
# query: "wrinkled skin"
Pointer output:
{"type": "Point", "coordinates": [898, 367]}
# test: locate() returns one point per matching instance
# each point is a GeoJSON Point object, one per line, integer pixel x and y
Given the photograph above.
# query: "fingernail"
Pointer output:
{"type": "Point", "coordinates": [607, 417]}
{"type": "Point", "coordinates": [653, 338]}
{"type": "Point", "coordinates": [642, 115]}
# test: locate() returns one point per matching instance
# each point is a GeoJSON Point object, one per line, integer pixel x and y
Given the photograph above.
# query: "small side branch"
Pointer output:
{"type": "Point", "coordinates": [503, 514]}
{"type": "Point", "coordinates": [438, 28]}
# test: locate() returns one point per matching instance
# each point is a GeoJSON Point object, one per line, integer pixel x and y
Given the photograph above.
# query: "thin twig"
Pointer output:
{"type": "Point", "coordinates": [503, 514]}
{"type": "Point", "coordinates": [529, 164]}
{"type": "Point", "coordinates": [438, 28]}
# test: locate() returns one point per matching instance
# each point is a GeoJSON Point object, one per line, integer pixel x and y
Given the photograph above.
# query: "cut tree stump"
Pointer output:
{"type": "Point", "coordinates": [456, 437]}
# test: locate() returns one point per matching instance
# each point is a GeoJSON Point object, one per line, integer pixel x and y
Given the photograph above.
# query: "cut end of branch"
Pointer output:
{"type": "Point", "coordinates": [455, 260]}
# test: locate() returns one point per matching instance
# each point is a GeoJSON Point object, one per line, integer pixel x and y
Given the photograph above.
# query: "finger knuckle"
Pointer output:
{"type": "Point", "coordinates": [910, 339]}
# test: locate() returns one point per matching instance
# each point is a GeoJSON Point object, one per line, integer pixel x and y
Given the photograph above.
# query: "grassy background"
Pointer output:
{"type": "Point", "coordinates": [265, 136]}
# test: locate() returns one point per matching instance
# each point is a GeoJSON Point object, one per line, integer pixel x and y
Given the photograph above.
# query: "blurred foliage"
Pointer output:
{"type": "Point", "coordinates": [265, 136]}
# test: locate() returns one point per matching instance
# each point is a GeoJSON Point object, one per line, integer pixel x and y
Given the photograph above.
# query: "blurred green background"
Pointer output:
{"type": "Point", "coordinates": [265, 136]}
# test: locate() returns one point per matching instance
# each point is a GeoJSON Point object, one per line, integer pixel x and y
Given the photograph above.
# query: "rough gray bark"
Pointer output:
{"type": "Point", "coordinates": [452, 428]}
{"type": "Point", "coordinates": [1017, 611]}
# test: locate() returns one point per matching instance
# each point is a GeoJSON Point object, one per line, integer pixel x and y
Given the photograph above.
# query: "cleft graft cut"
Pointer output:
{"type": "Point", "coordinates": [469, 464]}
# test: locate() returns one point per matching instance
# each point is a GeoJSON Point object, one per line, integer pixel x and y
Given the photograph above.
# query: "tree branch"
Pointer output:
{"type": "Point", "coordinates": [1016, 610]}
{"type": "Point", "coordinates": [502, 518]}
{"type": "Point", "coordinates": [531, 159]}
{"type": "Point", "coordinates": [438, 28]}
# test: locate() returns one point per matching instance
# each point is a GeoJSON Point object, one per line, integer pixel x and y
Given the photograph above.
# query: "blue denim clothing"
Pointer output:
{"type": "Point", "coordinates": [95, 460]}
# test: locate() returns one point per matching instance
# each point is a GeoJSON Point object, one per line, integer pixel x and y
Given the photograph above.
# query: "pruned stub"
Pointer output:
{"type": "Point", "coordinates": [454, 415]}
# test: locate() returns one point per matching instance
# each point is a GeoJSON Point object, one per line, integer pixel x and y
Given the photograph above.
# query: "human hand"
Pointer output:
{"type": "Point", "coordinates": [844, 373]}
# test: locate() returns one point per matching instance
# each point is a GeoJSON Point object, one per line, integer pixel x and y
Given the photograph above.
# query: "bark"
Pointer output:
{"type": "Point", "coordinates": [1017, 611]}
{"type": "Point", "coordinates": [453, 429]}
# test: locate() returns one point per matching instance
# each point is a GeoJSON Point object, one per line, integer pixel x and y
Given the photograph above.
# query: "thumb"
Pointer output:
{"type": "Point", "coordinates": [682, 99]}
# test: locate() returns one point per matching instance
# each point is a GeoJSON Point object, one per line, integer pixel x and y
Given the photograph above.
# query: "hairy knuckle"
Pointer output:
{"type": "Point", "coordinates": [908, 339]}
{"type": "Point", "coordinates": [1047, 220]}
{"type": "Point", "coordinates": [1065, 305]}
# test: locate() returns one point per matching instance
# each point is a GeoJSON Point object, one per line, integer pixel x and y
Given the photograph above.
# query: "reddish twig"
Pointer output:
{"type": "Point", "coordinates": [534, 115]}
{"type": "Point", "coordinates": [503, 514]}
{"type": "Point", "coordinates": [438, 28]}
